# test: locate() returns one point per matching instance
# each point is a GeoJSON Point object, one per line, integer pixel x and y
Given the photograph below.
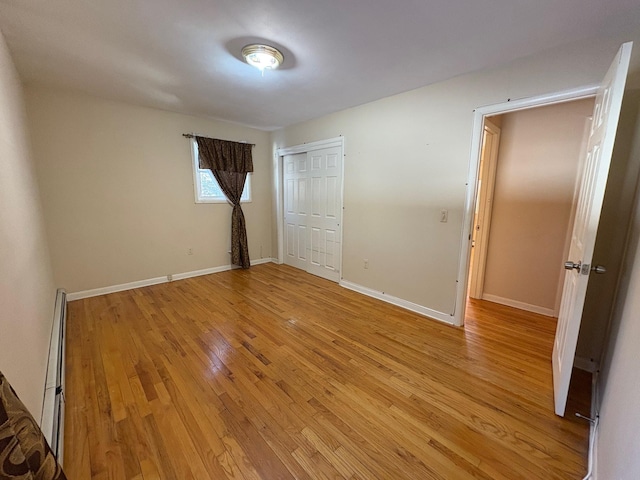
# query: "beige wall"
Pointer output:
{"type": "Point", "coordinates": [407, 157]}
{"type": "Point", "coordinates": [117, 189]}
{"type": "Point", "coordinates": [537, 168]}
{"type": "Point", "coordinates": [618, 439]}
{"type": "Point", "coordinates": [27, 291]}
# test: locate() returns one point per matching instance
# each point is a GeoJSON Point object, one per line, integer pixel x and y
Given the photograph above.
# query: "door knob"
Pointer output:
{"type": "Point", "coordinates": [584, 268]}
{"type": "Point", "coordinates": [571, 266]}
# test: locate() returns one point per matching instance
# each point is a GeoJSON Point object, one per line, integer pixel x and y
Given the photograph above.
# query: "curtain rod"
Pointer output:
{"type": "Point", "coordinates": [191, 135]}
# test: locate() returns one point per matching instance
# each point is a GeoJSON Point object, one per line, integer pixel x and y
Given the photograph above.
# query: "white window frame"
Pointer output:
{"type": "Point", "coordinates": [197, 185]}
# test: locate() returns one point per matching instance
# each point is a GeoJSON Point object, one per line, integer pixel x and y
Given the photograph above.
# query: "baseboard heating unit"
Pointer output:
{"type": "Point", "coordinates": [52, 420]}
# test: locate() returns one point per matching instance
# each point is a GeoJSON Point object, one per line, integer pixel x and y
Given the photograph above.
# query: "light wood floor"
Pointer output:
{"type": "Point", "coordinates": [271, 373]}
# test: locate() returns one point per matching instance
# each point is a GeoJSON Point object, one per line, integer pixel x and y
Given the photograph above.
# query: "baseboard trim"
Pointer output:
{"type": "Point", "coordinates": [549, 312]}
{"type": "Point", "coordinates": [594, 454]}
{"type": "Point", "coordinates": [593, 430]}
{"type": "Point", "coordinates": [157, 280]}
{"type": "Point", "coordinates": [115, 288]}
{"type": "Point", "coordinates": [414, 307]}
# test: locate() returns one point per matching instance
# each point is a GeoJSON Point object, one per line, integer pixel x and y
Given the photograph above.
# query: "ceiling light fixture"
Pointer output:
{"type": "Point", "coordinates": [263, 57]}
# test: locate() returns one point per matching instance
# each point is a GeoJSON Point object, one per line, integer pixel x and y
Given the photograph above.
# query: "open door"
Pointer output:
{"type": "Point", "coordinates": [484, 207]}
{"type": "Point", "coordinates": [593, 181]}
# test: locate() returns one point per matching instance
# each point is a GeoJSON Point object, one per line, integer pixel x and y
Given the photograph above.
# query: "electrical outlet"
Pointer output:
{"type": "Point", "coordinates": [444, 216]}
{"type": "Point", "coordinates": [189, 251]}
{"type": "Point", "coordinates": [170, 278]}
{"type": "Point", "coordinates": [366, 263]}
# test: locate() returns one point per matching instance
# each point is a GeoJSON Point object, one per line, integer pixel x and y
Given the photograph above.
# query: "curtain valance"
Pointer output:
{"type": "Point", "coordinates": [224, 156]}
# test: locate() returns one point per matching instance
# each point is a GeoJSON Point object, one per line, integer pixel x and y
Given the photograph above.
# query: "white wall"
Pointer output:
{"type": "Point", "coordinates": [407, 157]}
{"type": "Point", "coordinates": [27, 291]}
{"type": "Point", "coordinates": [537, 168]}
{"type": "Point", "coordinates": [117, 189]}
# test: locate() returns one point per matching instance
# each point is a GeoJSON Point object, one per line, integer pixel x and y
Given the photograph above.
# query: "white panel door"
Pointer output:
{"type": "Point", "coordinates": [312, 188]}
{"type": "Point", "coordinates": [589, 204]}
{"type": "Point", "coordinates": [325, 212]}
{"type": "Point", "coordinates": [296, 207]}
{"type": "Point", "coordinates": [484, 207]}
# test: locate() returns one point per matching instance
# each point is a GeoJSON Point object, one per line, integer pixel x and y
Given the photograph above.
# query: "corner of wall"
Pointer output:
{"type": "Point", "coordinates": [28, 293]}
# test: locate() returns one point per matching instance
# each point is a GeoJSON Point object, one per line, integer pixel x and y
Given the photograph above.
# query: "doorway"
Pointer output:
{"type": "Point", "coordinates": [525, 203]}
{"type": "Point", "coordinates": [480, 115]}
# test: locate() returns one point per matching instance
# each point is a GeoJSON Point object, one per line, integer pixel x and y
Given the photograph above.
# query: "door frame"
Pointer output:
{"type": "Point", "coordinates": [278, 178]}
{"type": "Point", "coordinates": [479, 115]}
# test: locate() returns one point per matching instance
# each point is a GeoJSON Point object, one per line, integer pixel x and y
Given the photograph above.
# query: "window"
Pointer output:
{"type": "Point", "coordinates": [206, 187]}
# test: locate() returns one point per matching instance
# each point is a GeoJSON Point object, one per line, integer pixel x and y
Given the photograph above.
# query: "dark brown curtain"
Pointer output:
{"type": "Point", "coordinates": [24, 452]}
{"type": "Point", "coordinates": [230, 162]}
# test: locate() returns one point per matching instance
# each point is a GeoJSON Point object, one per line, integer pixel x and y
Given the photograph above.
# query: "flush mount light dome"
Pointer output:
{"type": "Point", "coordinates": [263, 57]}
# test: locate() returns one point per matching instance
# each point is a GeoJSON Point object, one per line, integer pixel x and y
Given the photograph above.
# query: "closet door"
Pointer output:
{"type": "Point", "coordinates": [296, 204]}
{"type": "Point", "coordinates": [325, 212]}
{"type": "Point", "coordinates": [312, 184]}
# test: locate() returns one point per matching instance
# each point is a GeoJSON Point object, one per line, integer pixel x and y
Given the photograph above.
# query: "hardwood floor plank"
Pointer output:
{"type": "Point", "coordinates": [257, 450]}
{"type": "Point", "coordinates": [160, 452]}
{"type": "Point", "coordinates": [272, 373]}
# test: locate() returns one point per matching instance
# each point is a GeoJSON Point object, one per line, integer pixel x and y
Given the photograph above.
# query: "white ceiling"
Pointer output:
{"type": "Point", "coordinates": [184, 56]}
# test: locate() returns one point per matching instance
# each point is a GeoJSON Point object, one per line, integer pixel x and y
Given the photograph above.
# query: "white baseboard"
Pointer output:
{"type": "Point", "coordinates": [157, 280]}
{"type": "Point", "coordinates": [115, 288]}
{"type": "Point", "coordinates": [549, 312]}
{"type": "Point", "coordinates": [262, 261]}
{"type": "Point", "coordinates": [414, 307]}
{"type": "Point", "coordinates": [209, 271]}
{"type": "Point", "coordinates": [586, 364]}
{"type": "Point", "coordinates": [594, 453]}
{"type": "Point", "coordinates": [593, 431]}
